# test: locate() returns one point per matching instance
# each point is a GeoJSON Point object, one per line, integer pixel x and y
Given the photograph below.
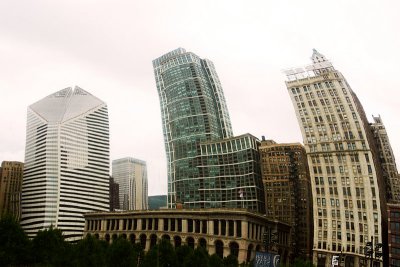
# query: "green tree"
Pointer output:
{"type": "Point", "coordinates": [298, 262]}
{"type": "Point", "coordinates": [200, 258]}
{"type": "Point", "coordinates": [50, 248]}
{"type": "Point", "coordinates": [90, 252]}
{"type": "Point", "coordinates": [184, 254]}
{"type": "Point", "coordinates": [216, 261]}
{"type": "Point", "coordinates": [14, 244]}
{"type": "Point", "coordinates": [121, 253]}
{"type": "Point", "coordinates": [230, 261]}
{"type": "Point", "coordinates": [162, 255]}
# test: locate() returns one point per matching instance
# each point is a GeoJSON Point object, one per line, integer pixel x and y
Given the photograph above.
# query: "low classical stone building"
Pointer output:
{"type": "Point", "coordinates": [221, 231]}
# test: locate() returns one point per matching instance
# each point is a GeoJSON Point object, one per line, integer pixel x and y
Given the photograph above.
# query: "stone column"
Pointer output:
{"type": "Point", "coordinates": [235, 228]}
{"type": "Point", "coordinates": [161, 224]}
{"type": "Point", "coordinates": [211, 248]}
{"type": "Point", "coordinates": [219, 227]}
{"type": "Point", "coordinates": [147, 247]}
{"type": "Point", "coordinates": [210, 228]}
{"type": "Point", "coordinates": [102, 225]}
{"type": "Point", "coordinates": [139, 224]}
{"type": "Point", "coordinates": [244, 229]}
{"type": "Point", "coordinates": [242, 253]}
{"type": "Point", "coordinates": [184, 226]}
{"type": "Point", "coordinates": [227, 251]}
{"type": "Point", "coordinates": [121, 225]}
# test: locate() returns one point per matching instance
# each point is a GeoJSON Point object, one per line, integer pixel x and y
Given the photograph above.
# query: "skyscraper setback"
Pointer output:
{"type": "Point", "coordinates": [349, 204]}
{"type": "Point", "coordinates": [66, 162]}
{"type": "Point", "coordinates": [193, 110]}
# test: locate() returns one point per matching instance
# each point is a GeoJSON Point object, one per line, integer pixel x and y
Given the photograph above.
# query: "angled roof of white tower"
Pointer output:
{"type": "Point", "coordinates": [65, 104]}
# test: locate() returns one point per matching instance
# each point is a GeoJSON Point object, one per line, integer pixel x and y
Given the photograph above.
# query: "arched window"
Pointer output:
{"type": "Point", "coordinates": [132, 238]}
{"type": "Point", "coordinates": [153, 240]}
{"type": "Point", "coordinates": [143, 238]}
{"type": "Point", "coordinates": [203, 243]}
{"type": "Point", "coordinates": [234, 249]}
{"type": "Point", "coordinates": [177, 241]}
{"type": "Point", "coordinates": [219, 248]}
{"type": "Point", "coordinates": [114, 237]}
{"type": "Point", "coordinates": [190, 242]}
{"type": "Point", "coordinates": [166, 237]}
{"type": "Point", "coordinates": [249, 252]}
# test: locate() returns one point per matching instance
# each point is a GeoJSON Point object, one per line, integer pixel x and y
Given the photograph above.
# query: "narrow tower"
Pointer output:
{"type": "Point", "coordinates": [131, 175]}
{"type": "Point", "coordinates": [10, 188]}
{"type": "Point", "coordinates": [193, 110]}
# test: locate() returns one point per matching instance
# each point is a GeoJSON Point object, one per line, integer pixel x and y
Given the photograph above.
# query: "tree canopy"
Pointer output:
{"type": "Point", "coordinates": [48, 248]}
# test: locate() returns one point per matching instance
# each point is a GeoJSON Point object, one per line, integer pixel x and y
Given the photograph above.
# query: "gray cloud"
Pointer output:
{"type": "Point", "coordinates": [106, 47]}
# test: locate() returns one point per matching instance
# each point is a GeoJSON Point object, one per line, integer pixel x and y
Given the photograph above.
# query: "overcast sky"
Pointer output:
{"type": "Point", "coordinates": [107, 48]}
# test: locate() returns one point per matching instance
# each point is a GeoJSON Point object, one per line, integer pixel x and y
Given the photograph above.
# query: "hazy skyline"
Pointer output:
{"type": "Point", "coordinates": [107, 48]}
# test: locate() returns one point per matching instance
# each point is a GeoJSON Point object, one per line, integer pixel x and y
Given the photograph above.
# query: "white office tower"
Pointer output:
{"type": "Point", "coordinates": [66, 162]}
{"type": "Point", "coordinates": [348, 203]}
{"type": "Point", "coordinates": [131, 175]}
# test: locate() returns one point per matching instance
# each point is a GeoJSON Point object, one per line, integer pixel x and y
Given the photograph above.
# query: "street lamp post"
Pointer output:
{"type": "Point", "coordinates": [373, 252]}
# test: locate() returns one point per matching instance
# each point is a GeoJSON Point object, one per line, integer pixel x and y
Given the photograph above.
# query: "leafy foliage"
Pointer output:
{"type": "Point", "coordinates": [14, 244]}
{"type": "Point", "coordinates": [121, 254]}
{"type": "Point", "coordinates": [90, 252]}
{"type": "Point", "coordinates": [302, 263]}
{"type": "Point", "coordinates": [49, 249]}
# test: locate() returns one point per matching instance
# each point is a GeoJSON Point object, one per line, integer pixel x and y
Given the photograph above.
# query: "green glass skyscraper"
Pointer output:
{"type": "Point", "coordinates": [193, 110]}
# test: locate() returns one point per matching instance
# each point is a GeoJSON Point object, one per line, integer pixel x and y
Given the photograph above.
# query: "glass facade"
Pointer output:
{"type": "Point", "coordinates": [193, 110]}
{"type": "Point", "coordinates": [230, 174]}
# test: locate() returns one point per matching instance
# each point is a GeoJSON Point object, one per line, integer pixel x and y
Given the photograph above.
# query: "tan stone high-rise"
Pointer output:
{"type": "Point", "coordinates": [11, 173]}
{"type": "Point", "coordinates": [288, 196]}
{"type": "Point", "coordinates": [387, 159]}
{"type": "Point", "coordinates": [347, 188]}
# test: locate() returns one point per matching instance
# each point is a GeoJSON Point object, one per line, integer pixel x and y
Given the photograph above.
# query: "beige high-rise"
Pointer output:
{"type": "Point", "coordinates": [11, 173]}
{"type": "Point", "coordinates": [348, 203]}
{"type": "Point", "coordinates": [387, 160]}
{"type": "Point", "coordinates": [131, 176]}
